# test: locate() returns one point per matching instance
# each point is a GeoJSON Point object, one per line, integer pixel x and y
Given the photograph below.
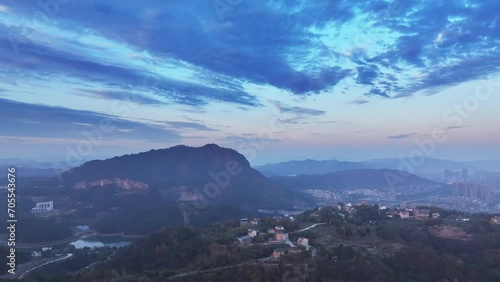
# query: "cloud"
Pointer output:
{"type": "Point", "coordinates": [123, 96]}
{"type": "Point", "coordinates": [358, 102]}
{"type": "Point", "coordinates": [402, 136]}
{"type": "Point", "coordinates": [40, 121]}
{"type": "Point", "coordinates": [393, 50]}
{"type": "Point", "coordinates": [188, 125]}
{"type": "Point", "coordinates": [300, 111]}
{"type": "Point", "coordinates": [253, 139]}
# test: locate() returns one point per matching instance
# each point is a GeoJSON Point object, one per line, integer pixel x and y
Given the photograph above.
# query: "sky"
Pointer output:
{"type": "Point", "coordinates": [275, 80]}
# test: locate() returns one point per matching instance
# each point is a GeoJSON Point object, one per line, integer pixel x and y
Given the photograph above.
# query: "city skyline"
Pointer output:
{"type": "Point", "coordinates": [357, 81]}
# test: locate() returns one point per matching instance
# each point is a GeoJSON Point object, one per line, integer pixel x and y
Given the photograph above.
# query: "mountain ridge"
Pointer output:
{"type": "Point", "coordinates": [184, 173]}
{"type": "Point", "coordinates": [314, 167]}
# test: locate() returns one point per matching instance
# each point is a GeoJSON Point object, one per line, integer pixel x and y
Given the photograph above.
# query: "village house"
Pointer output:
{"type": "Point", "coordinates": [303, 242]}
{"type": "Point", "coordinates": [421, 214]}
{"type": "Point", "coordinates": [277, 253]}
{"type": "Point", "coordinates": [252, 233]}
{"type": "Point", "coordinates": [435, 215]}
{"type": "Point", "coordinates": [36, 254]}
{"type": "Point", "coordinates": [280, 236]}
{"type": "Point", "coordinates": [404, 214]}
{"type": "Point", "coordinates": [243, 221]}
{"type": "Point", "coordinates": [495, 220]}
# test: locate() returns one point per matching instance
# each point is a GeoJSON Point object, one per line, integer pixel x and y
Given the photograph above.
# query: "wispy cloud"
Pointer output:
{"type": "Point", "coordinates": [358, 102]}
{"type": "Point", "coordinates": [4, 9]}
{"type": "Point", "coordinates": [402, 136]}
{"type": "Point", "coordinates": [188, 125]}
{"type": "Point", "coordinates": [40, 121]}
{"type": "Point", "coordinates": [300, 111]}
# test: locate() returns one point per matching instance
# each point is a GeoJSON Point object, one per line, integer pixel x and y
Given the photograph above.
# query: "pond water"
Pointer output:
{"type": "Point", "coordinates": [102, 241]}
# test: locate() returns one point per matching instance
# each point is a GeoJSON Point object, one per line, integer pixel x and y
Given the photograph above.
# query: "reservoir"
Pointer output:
{"type": "Point", "coordinates": [102, 241]}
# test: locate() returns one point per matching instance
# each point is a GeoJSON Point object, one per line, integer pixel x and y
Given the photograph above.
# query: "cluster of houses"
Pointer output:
{"type": "Point", "coordinates": [36, 254]}
{"type": "Point", "coordinates": [277, 235]}
{"type": "Point", "coordinates": [417, 214]}
{"type": "Point", "coordinates": [403, 212]}
{"type": "Point", "coordinates": [301, 242]}
{"type": "Point", "coordinates": [278, 232]}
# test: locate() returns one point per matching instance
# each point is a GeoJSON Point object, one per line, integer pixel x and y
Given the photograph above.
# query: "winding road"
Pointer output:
{"type": "Point", "coordinates": [43, 264]}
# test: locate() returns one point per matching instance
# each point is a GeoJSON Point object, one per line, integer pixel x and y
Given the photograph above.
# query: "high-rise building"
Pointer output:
{"type": "Point", "coordinates": [465, 173]}
{"type": "Point", "coordinates": [471, 190]}
{"type": "Point", "coordinates": [447, 173]}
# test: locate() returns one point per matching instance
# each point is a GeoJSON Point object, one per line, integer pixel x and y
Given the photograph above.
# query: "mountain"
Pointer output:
{"type": "Point", "coordinates": [33, 168]}
{"type": "Point", "coordinates": [314, 167]}
{"type": "Point", "coordinates": [308, 167]}
{"type": "Point", "coordinates": [434, 165]}
{"type": "Point", "coordinates": [381, 179]}
{"type": "Point", "coordinates": [181, 174]}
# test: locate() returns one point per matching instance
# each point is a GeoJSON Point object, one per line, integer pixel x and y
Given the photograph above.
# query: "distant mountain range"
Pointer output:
{"type": "Point", "coordinates": [435, 165]}
{"type": "Point", "coordinates": [314, 167]}
{"type": "Point", "coordinates": [380, 179]}
{"type": "Point", "coordinates": [33, 168]}
{"type": "Point", "coordinates": [308, 167]}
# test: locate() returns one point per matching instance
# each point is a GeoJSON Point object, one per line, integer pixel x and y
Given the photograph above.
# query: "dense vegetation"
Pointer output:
{"type": "Point", "coordinates": [365, 246]}
{"type": "Point", "coordinates": [227, 173]}
{"type": "Point", "coordinates": [149, 219]}
{"type": "Point", "coordinates": [32, 229]}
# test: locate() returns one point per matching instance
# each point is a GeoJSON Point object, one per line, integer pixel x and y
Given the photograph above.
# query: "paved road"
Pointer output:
{"type": "Point", "coordinates": [287, 240]}
{"type": "Point", "coordinates": [43, 264]}
{"type": "Point", "coordinates": [218, 268]}
{"type": "Point", "coordinates": [310, 227]}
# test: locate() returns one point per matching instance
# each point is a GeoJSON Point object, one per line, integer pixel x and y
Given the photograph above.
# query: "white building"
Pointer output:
{"type": "Point", "coordinates": [404, 214]}
{"type": "Point", "coordinates": [243, 221]}
{"type": "Point", "coordinates": [254, 221]}
{"type": "Point", "coordinates": [495, 220]}
{"type": "Point", "coordinates": [43, 207]}
{"type": "Point", "coordinates": [303, 241]}
{"type": "Point", "coordinates": [252, 233]}
{"type": "Point", "coordinates": [36, 254]}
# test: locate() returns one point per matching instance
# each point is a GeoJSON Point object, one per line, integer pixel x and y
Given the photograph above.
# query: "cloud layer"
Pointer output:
{"type": "Point", "coordinates": [60, 61]}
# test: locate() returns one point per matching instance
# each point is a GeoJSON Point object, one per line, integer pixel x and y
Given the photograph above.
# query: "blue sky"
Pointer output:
{"type": "Point", "coordinates": [275, 80]}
